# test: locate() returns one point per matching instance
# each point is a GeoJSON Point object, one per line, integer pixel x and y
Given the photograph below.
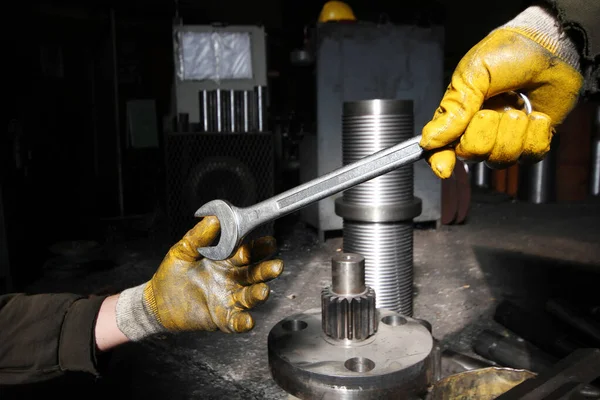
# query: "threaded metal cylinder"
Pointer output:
{"type": "Point", "coordinates": [387, 246]}
{"type": "Point", "coordinates": [371, 126]}
{"type": "Point", "coordinates": [388, 251]}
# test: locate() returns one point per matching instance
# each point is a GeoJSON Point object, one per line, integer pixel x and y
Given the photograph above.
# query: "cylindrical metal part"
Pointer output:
{"type": "Point", "coordinates": [261, 108]}
{"type": "Point", "coordinates": [231, 111]}
{"type": "Point", "coordinates": [204, 113]}
{"type": "Point", "coordinates": [537, 181]}
{"type": "Point", "coordinates": [348, 305]}
{"type": "Point", "coordinates": [370, 126]}
{"type": "Point", "coordinates": [219, 111]}
{"type": "Point", "coordinates": [388, 252]}
{"type": "Point", "coordinates": [453, 362]}
{"type": "Point", "coordinates": [378, 213]}
{"type": "Point", "coordinates": [352, 318]}
{"type": "Point", "coordinates": [211, 111]}
{"type": "Point", "coordinates": [481, 175]}
{"type": "Point", "coordinates": [595, 168]}
{"type": "Point", "coordinates": [348, 274]}
{"type": "Point", "coordinates": [510, 353]}
{"type": "Point", "coordinates": [395, 363]}
{"type": "Point", "coordinates": [246, 101]}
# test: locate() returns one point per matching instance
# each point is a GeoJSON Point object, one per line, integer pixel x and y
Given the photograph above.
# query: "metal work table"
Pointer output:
{"type": "Point", "coordinates": [505, 250]}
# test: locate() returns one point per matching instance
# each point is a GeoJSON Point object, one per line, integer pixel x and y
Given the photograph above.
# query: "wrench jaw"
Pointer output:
{"type": "Point", "coordinates": [229, 240]}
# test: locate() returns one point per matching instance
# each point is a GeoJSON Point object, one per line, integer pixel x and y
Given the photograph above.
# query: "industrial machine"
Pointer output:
{"type": "Point", "coordinates": [217, 140]}
{"type": "Point", "coordinates": [361, 61]}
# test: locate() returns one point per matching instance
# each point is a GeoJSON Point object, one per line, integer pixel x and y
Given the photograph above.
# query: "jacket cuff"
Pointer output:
{"type": "Point", "coordinates": [77, 343]}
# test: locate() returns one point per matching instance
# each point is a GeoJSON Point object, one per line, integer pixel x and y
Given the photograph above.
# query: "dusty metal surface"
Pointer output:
{"type": "Point", "coordinates": [521, 252]}
{"type": "Point", "coordinates": [398, 359]}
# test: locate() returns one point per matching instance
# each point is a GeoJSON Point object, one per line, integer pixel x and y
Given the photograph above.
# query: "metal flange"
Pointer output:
{"type": "Point", "coordinates": [394, 363]}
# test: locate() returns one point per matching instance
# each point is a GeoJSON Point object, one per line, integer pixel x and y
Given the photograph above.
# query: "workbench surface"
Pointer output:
{"type": "Point", "coordinates": [505, 250]}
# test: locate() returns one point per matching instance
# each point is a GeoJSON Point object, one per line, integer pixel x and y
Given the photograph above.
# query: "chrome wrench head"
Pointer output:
{"type": "Point", "coordinates": [230, 238]}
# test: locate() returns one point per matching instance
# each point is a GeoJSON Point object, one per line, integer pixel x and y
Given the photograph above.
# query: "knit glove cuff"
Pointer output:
{"type": "Point", "coordinates": [542, 26]}
{"type": "Point", "coordinates": [134, 317]}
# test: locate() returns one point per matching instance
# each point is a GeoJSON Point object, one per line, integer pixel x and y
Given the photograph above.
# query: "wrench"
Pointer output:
{"type": "Point", "coordinates": [237, 222]}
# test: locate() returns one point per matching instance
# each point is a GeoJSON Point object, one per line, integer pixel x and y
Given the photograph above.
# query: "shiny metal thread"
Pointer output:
{"type": "Point", "coordinates": [388, 252]}
{"type": "Point", "coordinates": [370, 126]}
{"type": "Point", "coordinates": [365, 135]}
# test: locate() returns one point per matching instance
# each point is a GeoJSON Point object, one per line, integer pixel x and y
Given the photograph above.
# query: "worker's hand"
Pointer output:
{"type": "Point", "coordinates": [476, 122]}
{"type": "Point", "coordinates": [192, 293]}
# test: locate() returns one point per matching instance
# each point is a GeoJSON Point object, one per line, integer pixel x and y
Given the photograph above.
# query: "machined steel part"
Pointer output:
{"type": "Point", "coordinates": [368, 127]}
{"type": "Point", "coordinates": [388, 251]}
{"type": "Point", "coordinates": [394, 363]}
{"type": "Point", "coordinates": [378, 213]}
{"type": "Point", "coordinates": [349, 349]}
{"type": "Point", "coordinates": [348, 305]}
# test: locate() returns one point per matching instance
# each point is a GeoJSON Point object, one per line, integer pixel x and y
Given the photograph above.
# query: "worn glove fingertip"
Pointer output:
{"type": "Point", "coordinates": [270, 270]}
{"type": "Point", "coordinates": [442, 163]}
{"type": "Point", "coordinates": [260, 292]}
{"type": "Point", "coordinates": [241, 322]}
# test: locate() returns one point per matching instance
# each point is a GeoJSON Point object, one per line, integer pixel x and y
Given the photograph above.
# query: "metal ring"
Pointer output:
{"type": "Point", "coordinates": [528, 107]}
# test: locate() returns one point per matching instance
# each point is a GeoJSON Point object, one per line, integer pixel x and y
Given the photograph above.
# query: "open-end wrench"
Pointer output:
{"type": "Point", "coordinates": [237, 222]}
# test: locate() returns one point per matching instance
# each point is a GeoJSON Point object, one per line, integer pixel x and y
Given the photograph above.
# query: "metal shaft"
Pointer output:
{"type": "Point", "coordinates": [595, 161]}
{"type": "Point", "coordinates": [348, 274]}
{"type": "Point", "coordinates": [595, 168]}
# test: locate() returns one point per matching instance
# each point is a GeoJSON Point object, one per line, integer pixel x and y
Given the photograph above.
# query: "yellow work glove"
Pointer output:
{"type": "Point", "coordinates": [192, 293]}
{"type": "Point", "coordinates": [475, 121]}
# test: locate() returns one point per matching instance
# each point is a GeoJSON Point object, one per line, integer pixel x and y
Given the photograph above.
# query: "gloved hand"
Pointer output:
{"type": "Point", "coordinates": [192, 293]}
{"type": "Point", "coordinates": [529, 54]}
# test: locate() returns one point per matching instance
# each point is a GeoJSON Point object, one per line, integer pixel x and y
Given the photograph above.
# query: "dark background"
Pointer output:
{"type": "Point", "coordinates": [59, 171]}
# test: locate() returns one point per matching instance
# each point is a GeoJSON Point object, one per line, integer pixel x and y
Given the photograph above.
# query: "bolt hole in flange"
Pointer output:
{"type": "Point", "coordinates": [393, 320]}
{"type": "Point", "coordinates": [359, 364]}
{"type": "Point", "coordinates": [294, 325]}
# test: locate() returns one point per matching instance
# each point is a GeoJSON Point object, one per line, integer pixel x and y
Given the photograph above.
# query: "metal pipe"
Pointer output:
{"type": "Point", "coordinates": [219, 111]}
{"type": "Point", "coordinates": [348, 274]}
{"type": "Point", "coordinates": [113, 34]}
{"type": "Point", "coordinates": [204, 108]}
{"type": "Point", "coordinates": [481, 175]}
{"type": "Point", "coordinates": [595, 168]}
{"type": "Point", "coordinates": [510, 353]}
{"type": "Point", "coordinates": [458, 362]}
{"type": "Point", "coordinates": [536, 181]}
{"type": "Point", "coordinates": [246, 112]}
{"type": "Point", "coordinates": [260, 108]}
{"type": "Point", "coordinates": [232, 110]}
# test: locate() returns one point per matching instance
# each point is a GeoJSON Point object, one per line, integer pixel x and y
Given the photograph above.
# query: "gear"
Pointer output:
{"type": "Point", "coordinates": [351, 317]}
